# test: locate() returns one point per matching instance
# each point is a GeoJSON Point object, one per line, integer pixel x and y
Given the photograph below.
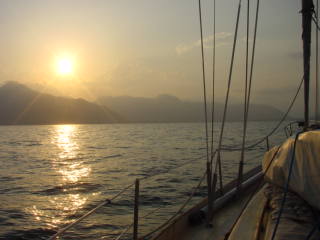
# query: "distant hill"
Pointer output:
{"type": "Point", "coordinates": [166, 108]}
{"type": "Point", "coordinates": [22, 105]}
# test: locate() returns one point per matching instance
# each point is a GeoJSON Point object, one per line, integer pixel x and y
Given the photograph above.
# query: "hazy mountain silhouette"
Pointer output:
{"type": "Point", "coordinates": [22, 105]}
{"type": "Point", "coordinates": [166, 108]}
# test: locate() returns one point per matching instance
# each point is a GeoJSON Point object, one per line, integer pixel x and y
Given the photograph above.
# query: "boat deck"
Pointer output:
{"type": "Point", "coordinates": [222, 221]}
{"type": "Point", "coordinates": [227, 210]}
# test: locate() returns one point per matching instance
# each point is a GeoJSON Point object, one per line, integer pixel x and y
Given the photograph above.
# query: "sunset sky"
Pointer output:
{"type": "Point", "coordinates": [146, 47]}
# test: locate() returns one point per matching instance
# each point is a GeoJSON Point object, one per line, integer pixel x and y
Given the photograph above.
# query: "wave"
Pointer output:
{"type": "Point", "coordinates": [81, 187]}
{"type": "Point", "coordinates": [31, 234]}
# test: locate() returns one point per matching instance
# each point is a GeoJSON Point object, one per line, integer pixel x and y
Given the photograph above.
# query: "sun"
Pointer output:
{"type": "Point", "coordinates": [64, 66]}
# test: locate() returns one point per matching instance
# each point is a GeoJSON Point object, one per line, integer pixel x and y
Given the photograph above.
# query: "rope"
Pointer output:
{"type": "Point", "coordinates": [180, 209]}
{"type": "Point", "coordinates": [104, 203]}
{"type": "Point", "coordinates": [286, 188]}
{"type": "Point", "coordinates": [204, 82]}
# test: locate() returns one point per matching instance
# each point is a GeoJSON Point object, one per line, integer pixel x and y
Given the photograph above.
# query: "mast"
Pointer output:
{"type": "Point", "coordinates": [317, 67]}
{"type": "Point", "coordinates": [307, 11]}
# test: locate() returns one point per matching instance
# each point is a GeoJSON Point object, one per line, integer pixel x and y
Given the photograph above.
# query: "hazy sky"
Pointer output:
{"type": "Point", "coordinates": [147, 47]}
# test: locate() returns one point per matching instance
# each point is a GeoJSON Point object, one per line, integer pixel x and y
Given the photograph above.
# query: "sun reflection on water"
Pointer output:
{"type": "Point", "coordinates": [64, 138]}
{"type": "Point", "coordinates": [69, 166]}
{"type": "Point", "coordinates": [64, 206]}
{"type": "Point", "coordinates": [74, 172]}
{"type": "Point", "coordinates": [71, 173]}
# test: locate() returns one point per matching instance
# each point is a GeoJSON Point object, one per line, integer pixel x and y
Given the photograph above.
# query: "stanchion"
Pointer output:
{"type": "Point", "coordinates": [136, 210]}
{"type": "Point", "coordinates": [210, 197]}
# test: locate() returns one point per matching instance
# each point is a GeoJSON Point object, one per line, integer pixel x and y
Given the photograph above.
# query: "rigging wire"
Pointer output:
{"type": "Point", "coordinates": [209, 165]}
{"type": "Point", "coordinates": [240, 171]}
{"type": "Point", "coordinates": [252, 57]}
{"type": "Point", "coordinates": [205, 106]}
{"type": "Point", "coordinates": [213, 77]}
{"type": "Point", "coordinates": [316, 23]}
{"type": "Point", "coordinates": [232, 149]}
{"type": "Point", "coordinates": [247, 60]}
{"type": "Point", "coordinates": [247, 56]}
{"type": "Point", "coordinates": [218, 160]}
{"type": "Point", "coordinates": [249, 87]}
{"type": "Point", "coordinates": [257, 142]}
{"type": "Point", "coordinates": [204, 81]}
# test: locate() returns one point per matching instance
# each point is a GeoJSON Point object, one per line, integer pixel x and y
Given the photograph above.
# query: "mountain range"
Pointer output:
{"type": "Point", "coordinates": [167, 108]}
{"type": "Point", "coordinates": [21, 105]}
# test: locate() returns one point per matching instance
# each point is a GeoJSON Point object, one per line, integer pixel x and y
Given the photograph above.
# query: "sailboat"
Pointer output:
{"type": "Point", "coordinates": [278, 200]}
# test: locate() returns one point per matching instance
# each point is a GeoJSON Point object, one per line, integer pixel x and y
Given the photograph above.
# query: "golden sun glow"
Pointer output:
{"type": "Point", "coordinates": [64, 66]}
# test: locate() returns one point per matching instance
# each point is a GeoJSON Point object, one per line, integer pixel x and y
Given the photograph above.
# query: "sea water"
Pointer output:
{"type": "Point", "coordinates": [52, 174]}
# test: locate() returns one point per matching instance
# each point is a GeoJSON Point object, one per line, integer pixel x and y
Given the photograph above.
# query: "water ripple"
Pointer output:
{"type": "Point", "coordinates": [51, 175]}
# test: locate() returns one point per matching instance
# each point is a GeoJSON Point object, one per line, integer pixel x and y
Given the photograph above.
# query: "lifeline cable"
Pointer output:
{"type": "Point", "coordinates": [104, 203]}
{"type": "Point", "coordinates": [180, 209]}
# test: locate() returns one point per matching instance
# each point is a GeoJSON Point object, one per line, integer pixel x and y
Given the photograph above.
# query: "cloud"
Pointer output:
{"type": "Point", "coordinates": [221, 40]}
